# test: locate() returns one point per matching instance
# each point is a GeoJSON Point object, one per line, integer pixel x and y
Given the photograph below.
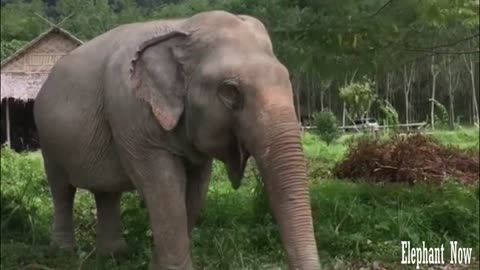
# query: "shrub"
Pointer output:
{"type": "Point", "coordinates": [390, 114]}
{"type": "Point", "coordinates": [441, 115]}
{"type": "Point", "coordinates": [326, 124]}
{"type": "Point", "coordinates": [24, 197]}
{"type": "Point", "coordinates": [359, 97]}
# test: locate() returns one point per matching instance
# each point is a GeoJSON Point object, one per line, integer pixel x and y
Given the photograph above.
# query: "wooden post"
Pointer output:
{"type": "Point", "coordinates": [7, 121]}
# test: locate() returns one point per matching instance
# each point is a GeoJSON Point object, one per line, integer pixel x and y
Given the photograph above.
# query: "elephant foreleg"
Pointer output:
{"type": "Point", "coordinates": [109, 227]}
{"type": "Point", "coordinates": [163, 190]}
{"type": "Point", "coordinates": [198, 178]}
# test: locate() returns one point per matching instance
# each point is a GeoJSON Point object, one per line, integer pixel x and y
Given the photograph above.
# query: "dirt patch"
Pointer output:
{"type": "Point", "coordinates": [415, 158]}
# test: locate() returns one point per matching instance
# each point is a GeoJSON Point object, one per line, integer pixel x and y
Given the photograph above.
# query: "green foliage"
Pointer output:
{"type": "Point", "coordinates": [317, 149]}
{"type": "Point", "coordinates": [9, 47]}
{"type": "Point", "coordinates": [24, 216]}
{"type": "Point", "coordinates": [441, 115]}
{"type": "Point", "coordinates": [326, 126]}
{"type": "Point", "coordinates": [359, 97]}
{"type": "Point", "coordinates": [20, 22]}
{"type": "Point", "coordinates": [321, 158]}
{"type": "Point", "coordinates": [90, 17]}
{"type": "Point", "coordinates": [465, 138]}
{"type": "Point", "coordinates": [390, 114]}
{"type": "Point", "coordinates": [367, 220]}
{"type": "Point", "coordinates": [351, 39]}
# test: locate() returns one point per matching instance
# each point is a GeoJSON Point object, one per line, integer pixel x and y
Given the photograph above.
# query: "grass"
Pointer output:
{"type": "Point", "coordinates": [465, 138]}
{"type": "Point", "coordinates": [355, 223]}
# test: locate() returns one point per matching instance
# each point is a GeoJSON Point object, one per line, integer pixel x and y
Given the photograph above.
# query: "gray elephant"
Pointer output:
{"type": "Point", "coordinates": [147, 106]}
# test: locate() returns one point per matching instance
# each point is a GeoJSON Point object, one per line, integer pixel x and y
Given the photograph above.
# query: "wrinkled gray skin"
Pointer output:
{"type": "Point", "coordinates": [147, 106]}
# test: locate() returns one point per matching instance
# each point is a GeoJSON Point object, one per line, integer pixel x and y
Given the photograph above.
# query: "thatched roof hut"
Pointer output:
{"type": "Point", "coordinates": [25, 71]}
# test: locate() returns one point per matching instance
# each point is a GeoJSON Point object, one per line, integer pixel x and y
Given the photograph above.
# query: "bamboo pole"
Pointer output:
{"type": "Point", "coordinates": [7, 116]}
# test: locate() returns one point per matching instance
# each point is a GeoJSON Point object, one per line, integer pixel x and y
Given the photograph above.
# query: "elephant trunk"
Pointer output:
{"type": "Point", "coordinates": [279, 155]}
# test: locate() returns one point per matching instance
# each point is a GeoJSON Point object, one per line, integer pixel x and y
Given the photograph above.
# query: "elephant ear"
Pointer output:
{"type": "Point", "coordinates": [158, 78]}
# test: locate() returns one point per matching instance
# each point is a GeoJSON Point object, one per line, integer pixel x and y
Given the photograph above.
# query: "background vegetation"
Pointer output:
{"type": "Point", "coordinates": [422, 56]}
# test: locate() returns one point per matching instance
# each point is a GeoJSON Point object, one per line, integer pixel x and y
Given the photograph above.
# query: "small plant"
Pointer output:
{"type": "Point", "coordinates": [390, 114]}
{"type": "Point", "coordinates": [441, 117]}
{"type": "Point", "coordinates": [326, 124]}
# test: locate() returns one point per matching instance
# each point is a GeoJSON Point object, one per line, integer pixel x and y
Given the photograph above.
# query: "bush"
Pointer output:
{"type": "Point", "coordinates": [326, 124]}
{"type": "Point", "coordinates": [359, 97]}
{"type": "Point", "coordinates": [23, 214]}
{"type": "Point", "coordinates": [390, 114]}
{"type": "Point", "coordinates": [441, 115]}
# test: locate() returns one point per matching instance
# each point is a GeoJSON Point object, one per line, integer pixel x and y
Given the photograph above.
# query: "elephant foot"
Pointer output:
{"type": "Point", "coordinates": [158, 264]}
{"type": "Point", "coordinates": [63, 241]}
{"type": "Point", "coordinates": [115, 247]}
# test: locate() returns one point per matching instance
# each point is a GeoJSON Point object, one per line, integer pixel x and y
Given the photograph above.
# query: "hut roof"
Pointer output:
{"type": "Point", "coordinates": [40, 37]}
{"type": "Point", "coordinates": [24, 84]}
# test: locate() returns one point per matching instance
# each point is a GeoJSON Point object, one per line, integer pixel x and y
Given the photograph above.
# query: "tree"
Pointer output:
{"type": "Point", "coordinates": [470, 65]}
{"type": "Point", "coordinates": [90, 17]}
{"type": "Point", "coordinates": [453, 81]}
{"type": "Point", "coordinates": [434, 70]}
{"type": "Point", "coordinates": [408, 76]}
{"type": "Point", "coordinates": [19, 21]}
{"type": "Point", "coordinates": [359, 97]}
{"type": "Point", "coordinates": [9, 47]}
{"type": "Point", "coordinates": [326, 126]}
{"type": "Point", "coordinates": [320, 42]}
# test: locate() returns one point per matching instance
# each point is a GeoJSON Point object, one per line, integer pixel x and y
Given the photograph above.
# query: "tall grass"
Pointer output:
{"type": "Point", "coordinates": [465, 138]}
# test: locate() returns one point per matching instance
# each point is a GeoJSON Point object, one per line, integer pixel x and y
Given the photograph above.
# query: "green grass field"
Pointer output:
{"type": "Point", "coordinates": [356, 224]}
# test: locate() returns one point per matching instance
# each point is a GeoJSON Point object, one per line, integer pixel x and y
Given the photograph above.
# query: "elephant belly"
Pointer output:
{"type": "Point", "coordinates": [104, 174]}
{"type": "Point", "coordinates": [88, 158]}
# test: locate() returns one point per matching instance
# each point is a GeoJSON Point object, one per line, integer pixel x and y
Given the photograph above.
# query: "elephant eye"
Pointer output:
{"type": "Point", "coordinates": [230, 95]}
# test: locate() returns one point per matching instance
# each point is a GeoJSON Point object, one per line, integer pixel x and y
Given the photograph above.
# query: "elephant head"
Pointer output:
{"type": "Point", "coordinates": [234, 99]}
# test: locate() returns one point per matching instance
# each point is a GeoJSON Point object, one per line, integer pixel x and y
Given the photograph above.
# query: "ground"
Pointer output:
{"type": "Point", "coordinates": [358, 225]}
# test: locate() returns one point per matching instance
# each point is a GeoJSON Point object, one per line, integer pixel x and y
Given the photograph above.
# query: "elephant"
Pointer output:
{"type": "Point", "coordinates": [148, 106]}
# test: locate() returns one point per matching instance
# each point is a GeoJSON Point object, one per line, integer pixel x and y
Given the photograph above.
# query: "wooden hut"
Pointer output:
{"type": "Point", "coordinates": [22, 76]}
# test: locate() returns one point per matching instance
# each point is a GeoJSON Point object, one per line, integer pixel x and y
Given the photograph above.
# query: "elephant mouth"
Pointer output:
{"type": "Point", "coordinates": [236, 164]}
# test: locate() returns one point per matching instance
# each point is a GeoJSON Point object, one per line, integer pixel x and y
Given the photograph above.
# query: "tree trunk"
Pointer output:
{"type": "Point", "coordinates": [308, 81]}
{"type": "Point", "coordinates": [434, 81]}
{"type": "Point", "coordinates": [324, 86]}
{"type": "Point", "coordinates": [387, 88]}
{"type": "Point", "coordinates": [296, 92]}
{"type": "Point", "coordinates": [451, 113]}
{"type": "Point", "coordinates": [476, 117]}
{"type": "Point", "coordinates": [471, 69]}
{"type": "Point", "coordinates": [452, 77]}
{"type": "Point", "coordinates": [387, 98]}
{"type": "Point", "coordinates": [407, 84]}
{"type": "Point", "coordinates": [322, 107]}
{"type": "Point", "coordinates": [314, 93]}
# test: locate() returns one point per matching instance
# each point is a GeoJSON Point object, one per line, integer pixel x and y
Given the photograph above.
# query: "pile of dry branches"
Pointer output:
{"type": "Point", "coordinates": [410, 159]}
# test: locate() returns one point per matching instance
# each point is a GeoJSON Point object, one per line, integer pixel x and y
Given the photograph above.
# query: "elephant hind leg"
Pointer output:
{"type": "Point", "coordinates": [63, 194]}
{"type": "Point", "coordinates": [109, 227]}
